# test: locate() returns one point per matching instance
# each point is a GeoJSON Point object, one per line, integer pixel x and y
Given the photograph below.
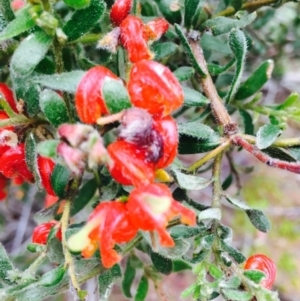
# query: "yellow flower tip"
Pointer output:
{"type": "Point", "coordinates": [162, 176]}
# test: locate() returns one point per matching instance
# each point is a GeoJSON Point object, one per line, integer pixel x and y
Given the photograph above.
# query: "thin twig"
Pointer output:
{"type": "Point", "coordinates": [261, 156]}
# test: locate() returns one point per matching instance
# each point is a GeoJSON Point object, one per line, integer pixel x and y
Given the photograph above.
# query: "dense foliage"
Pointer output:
{"type": "Point", "coordinates": [105, 108]}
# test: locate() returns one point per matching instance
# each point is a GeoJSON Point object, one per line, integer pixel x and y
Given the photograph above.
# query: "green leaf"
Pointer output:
{"type": "Point", "coordinates": [171, 13]}
{"type": "Point", "coordinates": [211, 213]}
{"type": "Point", "coordinates": [46, 214]}
{"type": "Point", "coordinates": [237, 203]}
{"type": "Point", "coordinates": [29, 92]}
{"type": "Point", "coordinates": [255, 275]}
{"type": "Point", "coordinates": [217, 69]}
{"type": "Point", "coordinates": [5, 265]}
{"type": "Point", "coordinates": [163, 50]}
{"type": "Point", "coordinates": [48, 148]}
{"type": "Point", "coordinates": [233, 252]}
{"type": "Point", "coordinates": [59, 180]}
{"type": "Point", "coordinates": [77, 4]}
{"type": "Point", "coordinates": [29, 53]}
{"type": "Point", "coordinates": [115, 95]}
{"type": "Point", "coordinates": [236, 295]}
{"type": "Point", "coordinates": [182, 231]}
{"type": "Point", "coordinates": [53, 277]}
{"type": "Point", "coordinates": [258, 220]}
{"type": "Point", "coordinates": [67, 81]}
{"type": "Point", "coordinates": [180, 265]}
{"type": "Point", "coordinates": [248, 122]}
{"type": "Point", "coordinates": [221, 25]}
{"type": "Point", "coordinates": [197, 130]}
{"type": "Point", "coordinates": [193, 98]}
{"type": "Point", "coordinates": [181, 247]}
{"type": "Point", "coordinates": [161, 263]}
{"type": "Point", "coordinates": [190, 182]}
{"type": "Point", "coordinates": [191, 145]}
{"type": "Point", "coordinates": [128, 278]}
{"type": "Point", "coordinates": [184, 73]}
{"type": "Point", "coordinates": [82, 21]}
{"type": "Point", "coordinates": [188, 50]}
{"type": "Point", "coordinates": [36, 248]}
{"type": "Point", "coordinates": [215, 272]}
{"type": "Point", "coordinates": [31, 157]}
{"type": "Point", "coordinates": [54, 107]}
{"type": "Point", "coordinates": [233, 282]}
{"type": "Point", "coordinates": [85, 194]}
{"type": "Point", "coordinates": [238, 45]}
{"type": "Point", "coordinates": [212, 43]}
{"type": "Point", "coordinates": [227, 182]}
{"type": "Point", "coordinates": [106, 280]}
{"type": "Point", "coordinates": [142, 289]}
{"type": "Point", "coordinates": [236, 4]}
{"type": "Point", "coordinates": [198, 257]}
{"type": "Point", "coordinates": [189, 291]}
{"type": "Point", "coordinates": [288, 103]}
{"type": "Point", "coordinates": [280, 153]}
{"type": "Point", "coordinates": [256, 80]}
{"type": "Point", "coordinates": [6, 11]}
{"type": "Point", "coordinates": [191, 9]}
{"type": "Point", "coordinates": [266, 135]}
{"type": "Point", "coordinates": [21, 23]}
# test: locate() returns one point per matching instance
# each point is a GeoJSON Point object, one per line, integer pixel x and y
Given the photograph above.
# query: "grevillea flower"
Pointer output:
{"type": "Point", "coordinates": [129, 164]}
{"type": "Point", "coordinates": [40, 233]}
{"type": "Point", "coordinates": [156, 28]}
{"type": "Point", "coordinates": [13, 164]}
{"type": "Point", "coordinates": [134, 39]}
{"type": "Point", "coordinates": [153, 87]}
{"type": "Point", "coordinates": [107, 225]}
{"type": "Point", "coordinates": [119, 11]}
{"type": "Point", "coordinates": [152, 206]}
{"type": "Point", "coordinates": [46, 166]}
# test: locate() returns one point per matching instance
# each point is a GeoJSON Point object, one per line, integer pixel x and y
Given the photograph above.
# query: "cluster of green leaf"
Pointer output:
{"type": "Point", "coordinates": [45, 48]}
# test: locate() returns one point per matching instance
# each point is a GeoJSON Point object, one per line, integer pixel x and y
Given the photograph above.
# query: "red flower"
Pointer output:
{"type": "Point", "coordinates": [134, 39]}
{"type": "Point", "coordinates": [46, 166]}
{"type": "Point", "coordinates": [153, 87]}
{"type": "Point", "coordinates": [106, 226]}
{"type": "Point", "coordinates": [151, 207]}
{"type": "Point", "coordinates": [265, 264]}
{"type": "Point", "coordinates": [8, 95]}
{"type": "Point", "coordinates": [89, 101]}
{"type": "Point", "coordinates": [156, 28]}
{"type": "Point", "coordinates": [119, 11]}
{"type": "Point", "coordinates": [3, 184]}
{"type": "Point", "coordinates": [13, 164]}
{"type": "Point", "coordinates": [129, 164]}
{"type": "Point", "coordinates": [167, 129]}
{"type": "Point", "coordinates": [40, 233]}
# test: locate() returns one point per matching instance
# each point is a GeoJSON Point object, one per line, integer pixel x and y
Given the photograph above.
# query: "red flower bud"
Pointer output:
{"type": "Point", "coordinates": [13, 164]}
{"type": "Point", "coordinates": [134, 39]}
{"type": "Point", "coordinates": [153, 87]}
{"type": "Point", "coordinates": [40, 233]}
{"type": "Point", "coordinates": [129, 165]}
{"type": "Point", "coordinates": [119, 11]}
{"type": "Point", "coordinates": [156, 28]}
{"type": "Point", "coordinates": [265, 264]}
{"type": "Point", "coordinates": [89, 101]}
{"type": "Point", "coordinates": [17, 4]}
{"type": "Point", "coordinates": [8, 95]}
{"type": "Point", "coordinates": [46, 166]}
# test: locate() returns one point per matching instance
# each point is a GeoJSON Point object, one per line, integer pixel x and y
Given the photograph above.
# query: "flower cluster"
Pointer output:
{"type": "Point", "coordinates": [147, 141]}
{"type": "Point", "coordinates": [12, 152]}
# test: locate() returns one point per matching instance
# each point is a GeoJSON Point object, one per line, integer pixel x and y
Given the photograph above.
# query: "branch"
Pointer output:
{"type": "Point", "coordinates": [285, 143]}
{"type": "Point", "coordinates": [218, 109]}
{"type": "Point", "coordinates": [290, 166]}
{"type": "Point", "coordinates": [249, 6]}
